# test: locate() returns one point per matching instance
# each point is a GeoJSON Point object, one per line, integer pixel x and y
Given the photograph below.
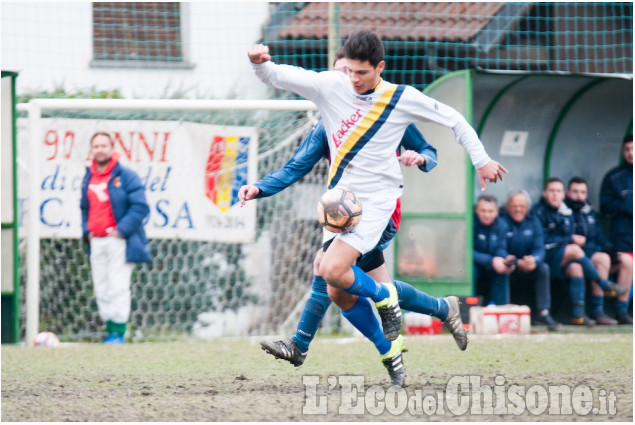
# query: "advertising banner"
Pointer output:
{"type": "Point", "coordinates": [192, 173]}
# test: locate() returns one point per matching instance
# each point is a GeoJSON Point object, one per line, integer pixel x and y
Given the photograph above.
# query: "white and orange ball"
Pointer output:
{"type": "Point", "coordinates": [339, 210]}
{"type": "Point", "coordinates": [46, 339]}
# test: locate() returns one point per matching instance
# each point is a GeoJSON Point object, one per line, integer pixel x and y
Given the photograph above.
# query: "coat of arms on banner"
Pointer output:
{"type": "Point", "coordinates": [226, 170]}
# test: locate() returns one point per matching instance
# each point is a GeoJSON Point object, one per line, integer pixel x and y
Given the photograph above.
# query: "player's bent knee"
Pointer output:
{"type": "Point", "coordinates": [601, 258]}
{"type": "Point", "coordinates": [332, 272]}
{"type": "Point", "coordinates": [574, 252]}
{"type": "Point", "coordinates": [626, 261]}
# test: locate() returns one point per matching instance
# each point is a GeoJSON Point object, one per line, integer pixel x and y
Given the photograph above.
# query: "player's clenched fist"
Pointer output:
{"type": "Point", "coordinates": [247, 193]}
{"type": "Point", "coordinates": [259, 53]}
{"type": "Point", "coordinates": [411, 157]}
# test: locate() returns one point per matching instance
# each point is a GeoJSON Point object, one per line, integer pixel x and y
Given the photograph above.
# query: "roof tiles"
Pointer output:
{"type": "Point", "coordinates": [395, 20]}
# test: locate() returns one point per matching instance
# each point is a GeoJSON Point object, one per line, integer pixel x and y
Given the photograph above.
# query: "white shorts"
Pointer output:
{"type": "Point", "coordinates": [376, 213]}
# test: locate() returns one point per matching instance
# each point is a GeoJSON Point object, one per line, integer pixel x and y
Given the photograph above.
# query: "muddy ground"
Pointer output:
{"type": "Point", "coordinates": [233, 380]}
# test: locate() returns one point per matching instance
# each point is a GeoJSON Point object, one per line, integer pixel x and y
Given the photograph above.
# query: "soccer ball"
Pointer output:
{"type": "Point", "coordinates": [46, 339]}
{"type": "Point", "coordinates": [339, 210]}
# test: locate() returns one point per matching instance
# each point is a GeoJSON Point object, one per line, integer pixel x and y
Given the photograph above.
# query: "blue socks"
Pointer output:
{"type": "Point", "coordinates": [597, 305]}
{"type": "Point", "coordinates": [576, 292]}
{"type": "Point", "coordinates": [313, 313]}
{"type": "Point", "coordinates": [419, 302]}
{"type": "Point", "coordinates": [621, 307]}
{"type": "Point", "coordinates": [361, 316]}
{"type": "Point", "coordinates": [591, 272]}
{"type": "Point", "coordinates": [365, 286]}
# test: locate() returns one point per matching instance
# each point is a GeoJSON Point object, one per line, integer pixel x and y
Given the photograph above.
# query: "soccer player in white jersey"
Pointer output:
{"type": "Point", "coordinates": [365, 118]}
{"type": "Point", "coordinates": [295, 349]}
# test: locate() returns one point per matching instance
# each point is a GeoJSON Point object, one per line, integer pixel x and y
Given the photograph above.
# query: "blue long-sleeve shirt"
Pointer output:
{"type": "Point", "coordinates": [315, 147]}
{"type": "Point", "coordinates": [524, 238]}
{"type": "Point", "coordinates": [616, 201]}
{"type": "Point", "coordinates": [489, 242]}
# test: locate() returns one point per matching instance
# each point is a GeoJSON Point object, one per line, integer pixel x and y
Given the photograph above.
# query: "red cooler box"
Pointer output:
{"type": "Point", "coordinates": [421, 324]}
{"type": "Point", "coordinates": [500, 319]}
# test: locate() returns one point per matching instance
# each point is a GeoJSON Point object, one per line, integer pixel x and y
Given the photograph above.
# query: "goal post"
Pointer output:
{"type": "Point", "coordinates": [205, 278]}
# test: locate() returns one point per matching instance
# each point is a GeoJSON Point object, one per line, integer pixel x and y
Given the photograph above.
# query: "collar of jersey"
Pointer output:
{"type": "Point", "coordinates": [371, 91]}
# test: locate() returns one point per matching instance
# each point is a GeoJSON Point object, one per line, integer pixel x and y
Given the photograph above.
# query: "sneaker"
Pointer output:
{"type": "Point", "coordinates": [603, 319]}
{"type": "Point", "coordinates": [114, 338]}
{"type": "Point", "coordinates": [624, 319]}
{"type": "Point", "coordinates": [390, 313]}
{"type": "Point", "coordinates": [583, 320]}
{"type": "Point", "coordinates": [394, 363]}
{"type": "Point", "coordinates": [285, 350]}
{"type": "Point", "coordinates": [547, 321]}
{"type": "Point", "coordinates": [614, 290]}
{"type": "Point", "coordinates": [454, 324]}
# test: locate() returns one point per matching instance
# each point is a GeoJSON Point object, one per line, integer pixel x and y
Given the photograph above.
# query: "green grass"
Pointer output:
{"type": "Point", "coordinates": [233, 380]}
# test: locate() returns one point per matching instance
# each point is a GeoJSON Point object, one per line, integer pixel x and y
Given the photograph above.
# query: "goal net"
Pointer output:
{"type": "Point", "coordinates": [217, 269]}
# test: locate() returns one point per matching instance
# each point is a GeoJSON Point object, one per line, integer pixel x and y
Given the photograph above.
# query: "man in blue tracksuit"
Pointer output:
{"type": "Point", "coordinates": [492, 263]}
{"type": "Point", "coordinates": [602, 253]}
{"type": "Point", "coordinates": [113, 206]}
{"type": "Point", "coordinates": [526, 243]}
{"type": "Point", "coordinates": [566, 259]}
{"type": "Point", "coordinates": [616, 202]}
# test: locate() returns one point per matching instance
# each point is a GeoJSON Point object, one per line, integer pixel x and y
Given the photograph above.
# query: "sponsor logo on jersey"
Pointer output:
{"type": "Point", "coordinates": [364, 98]}
{"type": "Point", "coordinates": [226, 170]}
{"type": "Point", "coordinates": [346, 125]}
{"type": "Point", "coordinates": [363, 132]}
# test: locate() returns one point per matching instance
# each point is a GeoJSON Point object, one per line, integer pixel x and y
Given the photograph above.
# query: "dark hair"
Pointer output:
{"type": "Point", "coordinates": [552, 180]}
{"type": "Point", "coordinates": [102, 133]}
{"type": "Point", "coordinates": [364, 46]}
{"type": "Point", "coordinates": [627, 139]}
{"type": "Point", "coordinates": [487, 198]}
{"type": "Point", "coordinates": [339, 54]}
{"type": "Point", "coordinates": [577, 180]}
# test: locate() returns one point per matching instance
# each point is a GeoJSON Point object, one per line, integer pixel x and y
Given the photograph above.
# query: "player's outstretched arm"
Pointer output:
{"type": "Point", "coordinates": [247, 193]}
{"type": "Point", "coordinates": [313, 148]}
{"type": "Point", "coordinates": [492, 171]}
{"type": "Point", "coordinates": [259, 53]}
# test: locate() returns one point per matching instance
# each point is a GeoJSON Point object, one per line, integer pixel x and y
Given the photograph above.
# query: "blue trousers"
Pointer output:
{"type": "Point", "coordinates": [492, 286]}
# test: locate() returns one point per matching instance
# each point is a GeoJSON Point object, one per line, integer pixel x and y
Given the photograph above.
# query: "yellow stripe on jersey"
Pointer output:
{"type": "Point", "coordinates": [365, 124]}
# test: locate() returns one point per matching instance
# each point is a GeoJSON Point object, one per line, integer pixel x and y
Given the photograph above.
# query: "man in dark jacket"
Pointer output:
{"type": "Point", "coordinates": [603, 255]}
{"type": "Point", "coordinates": [616, 199]}
{"type": "Point", "coordinates": [616, 202]}
{"type": "Point", "coordinates": [492, 263]}
{"type": "Point", "coordinates": [525, 242]}
{"type": "Point", "coordinates": [113, 206]}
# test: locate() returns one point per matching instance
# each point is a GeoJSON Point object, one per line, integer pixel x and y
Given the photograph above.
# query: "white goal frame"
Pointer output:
{"type": "Point", "coordinates": [34, 114]}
